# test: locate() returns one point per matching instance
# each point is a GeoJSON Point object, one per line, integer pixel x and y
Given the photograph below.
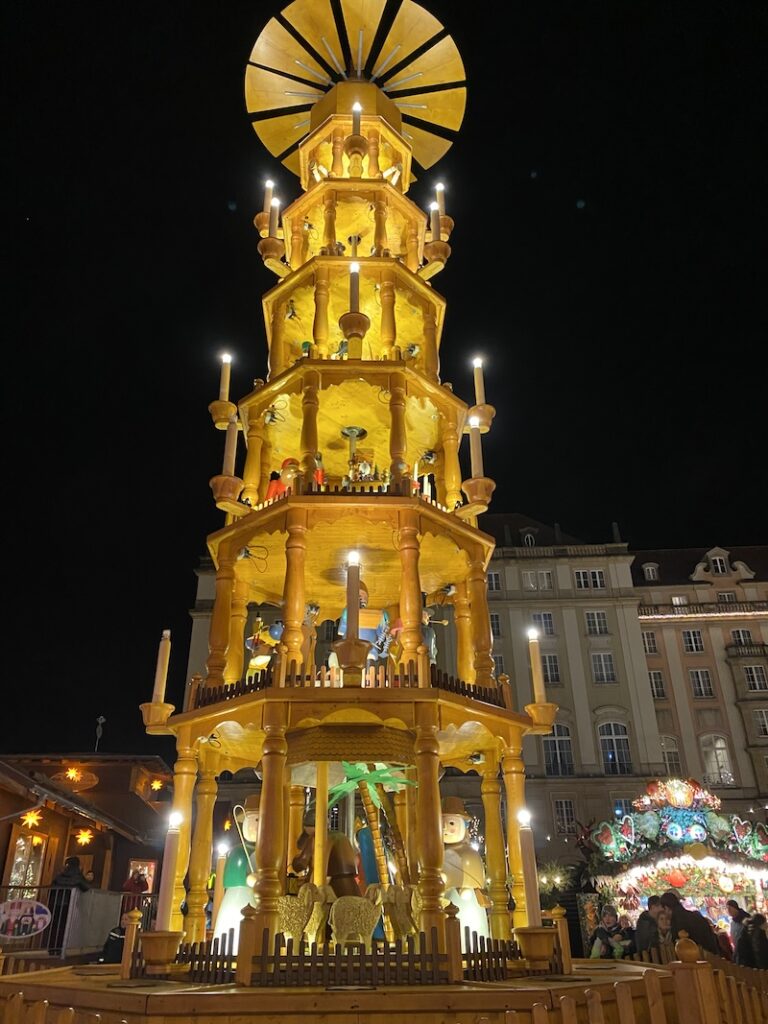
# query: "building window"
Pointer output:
{"type": "Point", "coordinates": [498, 665]}
{"type": "Point", "coordinates": [589, 579]}
{"type": "Point", "coordinates": [565, 818]}
{"type": "Point", "coordinates": [649, 643]}
{"type": "Point", "coordinates": [545, 579]}
{"type": "Point", "coordinates": [717, 761]}
{"type": "Point", "coordinates": [741, 636]}
{"type": "Point", "coordinates": [603, 670]}
{"type": "Point", "coordinates": [558, 754]}
{"type": "Point", "coordinates": [671, 754]}
{"type": "Point", "coordinates": [679, 600]}
{"type": "Point", "coordinates": [597, 623]}
{"type": "Point", "coordinates": [495, 625]}
{"type": "Point", "coordinates": [529, 580]}
{"type": "Point", "coordinates": [761, 722]}
{"type": "Point", "coordinates": [494, 581]}
{"type": "Point", "coordinates": [692, 641]}
{"type": "Point", "coordinates": [329, 631]}
{"type": "Point", "coordinates": [701, 682]}
{"type": "Point", "coordinates": [718, 565]}
{"type": "Point", "coordinates": [651, 572]}
{"type": "Point", "coordinates": [614, 746]}
{"type": "Point", "coordinates": [544, 623]}
{"type": "Point", "coordinates": [656, 679]}
{"type": "Point", "coordinates": [727, 597]}
{"type": "Point", "coordinates": [622, 806]}
{"type": "Point", "coordinates": [756, 677]}
{"type": "Point", "coordinates": [551, 669]}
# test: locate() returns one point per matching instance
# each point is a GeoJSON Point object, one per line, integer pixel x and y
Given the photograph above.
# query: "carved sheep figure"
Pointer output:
{"type": "Point", "coordinates": [397, 907]}
{"type": "Point", "coordinates": [315, 929]}
{"type": "Point", "coordinates": [294, 912]}
{"type": "Point", "coordinates": [353, 918]}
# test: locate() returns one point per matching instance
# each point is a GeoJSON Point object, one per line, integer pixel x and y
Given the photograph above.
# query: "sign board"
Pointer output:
{"type": "Point", "coordinates": [21, 918]}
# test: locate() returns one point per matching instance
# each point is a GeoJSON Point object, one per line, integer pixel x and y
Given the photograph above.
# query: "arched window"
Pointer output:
{"type": "Point", "coordinates": [614, 746]}
{"type": "Point", "coordinates": [558, 753]}
{"type": "Point", "coordinates": [717, 761]}
{"type": "Point", "coordinates": [671, 752]}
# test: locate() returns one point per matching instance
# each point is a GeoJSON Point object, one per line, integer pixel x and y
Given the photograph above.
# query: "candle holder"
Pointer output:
{"type": "Point", "coordinates": [261, 223]}
{"type": "Point", "coordinates": [226, 491]}
{"type": "Point", "coordinates": [221, 412]}
{"type": "Point", "coordinates": [352, 654]}
{"type": "Point", "coordinates": [484, 415]}
{"type": "Point", "coordinates": [155, 717]}
{"type": "Point", "coordinates": [478, 491]}
{"type": "Point", "coordinates": [446, 226]}
{"type": "Point", "coordinates": [542, 716]}
{"type": "Point", "coordinates": [272, 251]}
{"type": "Point", "coordinates": [436, 254]}
{"type": "Point", "coordinates": [354, 327]}
{"type": "Point", "coordinates": [355, 148]}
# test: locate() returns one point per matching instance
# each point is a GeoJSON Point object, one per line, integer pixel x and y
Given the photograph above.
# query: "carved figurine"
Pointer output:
{"type": "Point", "coordinates": [463, 869]}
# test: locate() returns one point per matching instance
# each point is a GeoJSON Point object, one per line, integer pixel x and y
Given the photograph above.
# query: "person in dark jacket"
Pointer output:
{"type": "Point", "coordinates": [71, 876]}
{"type": "Point", "coordinates": [647, 929]}
{"type": "Point", "coordinates": [59, 898]}
{"type": "Point", "coordinates": [738, 918]}
{"type": "Point", "coordinates": [690, 921]}
{"type": "Point", "coordinates": [752, 948]}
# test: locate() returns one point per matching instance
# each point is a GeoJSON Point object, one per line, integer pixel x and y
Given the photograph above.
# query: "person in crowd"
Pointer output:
{"type": "Point", "coordinates": [724, 942]}
{"type": "Point", "coordinates": [137, 882]}
{"type": "Point", "coordinates": [666, 942]}
{"type": "Point", "coordinates": [68, 879]}
{"type": "Point", "coordinates": [71, 876]}
{"type": "Point", "coordinates": [752, 948]}
{"type": "Point", "coordinates": [607, 941]}
{"type": "Point", "coordinates": [692, 922]}
{"type": "Point", "coordinates": [647, 930]}
{"type": "Point", "coordinates": [738, 917]}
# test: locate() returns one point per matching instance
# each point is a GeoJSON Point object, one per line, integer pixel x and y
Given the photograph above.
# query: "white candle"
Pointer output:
{"type": "Point", "coordinates": [353, 596]}
{"type": "Point", "coordinates": [530, 871]}
{"type": "Point", "coordinates": [435, 221]}
{"type": "Point", "coordinates": [218, 885]}
{"type": "Point", "coordinates": [274, 213]}
{"type": "Point", "coordinates": [354, 287]}
{"type": "Point", "coordinates": [168, 875]}
{"type": "Point", "coordinates": [268, 186]}
{"type": "Point", "coordinates": [356, 112]}
{"type": "Point", "coordinates": [230, 448]}
{"type": "Point", "coordinates": [534, 654]}
{"type": "Point", "coordinates": [161, 670]}
{"type": "Point", "coordinates": [426, 486]}
{"type": "Point", "coordinates": [226, 369]}
{"type": "Point", "coordinates": [440, 197]}
{"type": "Point", "coordinates": [475, 447]}
{"type": "Point", "coordinates": [477, 363]}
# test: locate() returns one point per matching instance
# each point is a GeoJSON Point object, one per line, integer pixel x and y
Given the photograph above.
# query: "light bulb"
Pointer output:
{"type": "Point", "coordinates": [533, 633]}
{"type": "Point", "coordinates": [226, 357]}
{"type": "Point", "coordinates": [524, 817]}
{"type": "Point", "coordinates": [477, 361]}
{"type": "Point", "coordinates": [353, 558]}
{"type": "Point", "coordinates": [175, 819]}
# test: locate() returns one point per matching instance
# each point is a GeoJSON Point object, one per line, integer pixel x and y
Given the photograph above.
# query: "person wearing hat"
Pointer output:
{"type": "Point", "coordinates": [463, 869]}
{"type": "Point", "coordinates": [608, 941]}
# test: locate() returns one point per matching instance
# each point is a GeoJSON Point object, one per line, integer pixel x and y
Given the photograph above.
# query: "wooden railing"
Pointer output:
{"type": "Point", "coordinates": [207, 695]}
{"type": "Point", "coordinates": [487, 694]}
{"type": "Point", "coordinates": [210, 963]}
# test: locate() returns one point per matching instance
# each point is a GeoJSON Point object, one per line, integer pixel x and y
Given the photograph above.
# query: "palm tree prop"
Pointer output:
{"type": "Point", "coordinates": [370, 781]}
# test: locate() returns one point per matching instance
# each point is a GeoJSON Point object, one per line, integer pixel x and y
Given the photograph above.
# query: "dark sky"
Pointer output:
{"type": "Point", "coordinates": [610, 239]}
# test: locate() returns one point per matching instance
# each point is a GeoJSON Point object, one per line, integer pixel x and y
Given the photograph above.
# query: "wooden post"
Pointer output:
{"type": "Point", "coordinates": [373, 154]}
{"type": "Point", "coordinates": [388, 323]}
{"type": "Point", "coordinates": [514, 784]}
{"type": "Point", "coordinates": [233, 670]}
{"type": "Point", "coordinates": [277, 353]}
{"type": "Point", "coordinates": [218, 638]}
{"type": "Point", "coordinates": [308, 444]}
{"type": "Point", "coordinates": [431, 358]}
{"type": "Point", "coordinates": [133, 918]}
{"type": "Point", "coordinates": [270, 848]}
{"type": "Point", "coordinates": [320, 852]}
{"type": "Point", "coordinates": [200, 856]}
{"type": "Point", "coordinates": [401, 816]}
{"type": "Point", "coordinates": [337, 164]}
{"type": "Point", "coordinates": [252, 470]}
{"type": "Point", "coordinates": [490, 789]}
{"type": "Point", "coordinates": [320, 322]}
{"type": "Point", "coordinates": [379, 226]}
{"type": "Point", "coordinates": [451, 465]}
{"type": "Point", "coordinates": [481, 623]}
{"type": "Point", "coordinates": [429, 838]}
{"type": "Point", "coordinates": [295, 822]}
{"type": "Point", "coordinates": [294, 601]}
{"type": "Point", "coordinates": [453, 944]}
{"type": "Point", "coordinates": [410, 588]}
{"type": "Point", "coordinates": [246, 947]}
{"type": "Point", "coordinates": [184, 775]}
{"type": "Point", "coordinates": [397, 436]}
{"type": "Point", "coordinates": [558, 916]}
{"type": "Point", "coordinates": [695, 992]}
{"type": "Point", "coordinates": [329, 222]}
{"type": "Point", "coordinates": [412, 247]}
{"type": "Point", "coordinates": [462, 618]}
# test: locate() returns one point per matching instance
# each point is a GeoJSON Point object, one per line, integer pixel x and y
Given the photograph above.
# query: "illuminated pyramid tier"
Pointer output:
{"type": "Point", "coordinates": [351, 471]}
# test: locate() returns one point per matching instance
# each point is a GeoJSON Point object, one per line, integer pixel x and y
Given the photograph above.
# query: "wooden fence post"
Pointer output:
{"type": "Point", "coordinates": [133, 918]}
{"type": "Point", "coordinates": [453, 944]}
{"type": "Point", "coordinates": [695, 992]}
{"type": "Point", "coordinates": [557, 914]}
{"type": "Point", "coordinates": [246, 946]}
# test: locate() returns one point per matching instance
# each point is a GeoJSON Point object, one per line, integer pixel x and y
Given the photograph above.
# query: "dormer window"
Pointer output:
{"type": "Point", "coordinates": [529, 538]}
{"type": "Point", "coordinates": [718, 565]}
{"type": "Point", "coordinates": [651, 572]}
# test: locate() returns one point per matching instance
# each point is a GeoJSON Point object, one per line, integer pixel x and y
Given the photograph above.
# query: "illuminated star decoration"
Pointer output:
{"type": "Point", "coordinates": [74, 774]}
{"type": "Point", "coordinates": [32, 819]}
{"type": "Point", "coordinates": [227, 825]}
{"type": "Point", "coordinates": [84, 836]}
{"type": "Point", "coordinates": [156, 785]}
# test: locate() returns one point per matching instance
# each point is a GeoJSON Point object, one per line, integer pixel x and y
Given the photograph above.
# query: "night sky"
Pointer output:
{"type": "Point", "coordinates": [608, 259]}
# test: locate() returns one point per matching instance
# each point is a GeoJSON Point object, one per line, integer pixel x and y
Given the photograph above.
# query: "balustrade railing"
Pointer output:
{"type": "Point", "coordinates": [646, 611]}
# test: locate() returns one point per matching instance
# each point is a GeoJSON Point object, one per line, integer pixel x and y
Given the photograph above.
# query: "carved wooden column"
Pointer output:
{"type": "Point", "coordinates": [252, 471]}
{"type": "Point", "coordinates": [373, 154]}
{"type": "Point", "coordinates": [513, 769]}
{"type": "Point", "coordinates": [294, 601]}
{"type": "Point", "coordinates": [329, 222]}
{"type": "Point", "coordinates": [218, 638]}
{"type": "Point", "coordinates": [337, 146]}
{"type": "Point", "coordinates": [380, 243]}
{"type": "Point", "coordinates": [397, 437]}
{"type": "Point", "coordinates": [278, 356]}
{"type": "Point", "coordinates": [233, 670]}
{"type": "Point", "coordinates": [429, 838]}
{"type": "Point", "coordinates": [431, 360]}
{"type": "Point", "coordinates": [410, 586]}
{"type": "Point", "coordinates": [298, 236]}
{"type": "Point", "coordinates": [320, 322]}
{"type": "Point", "coordinates": [202, 845]}
{"type": "Point", "coordinates": [451, 465]}
{"type": "Point", "coordinates": [495, 859]}
{"type": "Point", "coordinates": [412, 247]}
{"type": "Point", "coordinates": [309, 407]}
{"type": "Point", "coordinates": [266, 466]}
{"type": "Point", "coordinates": [462, 617]}
{"type": "Point", "coordinates": [388, 322]}
{"type": "Point", "coordinates": [295, 822]}
{"type": "Point", "coordinates": [270, 843]}
{"type": "Point", "coordinates": [481, 623]}
{"type": "Point", "coordinates": [184, 775]}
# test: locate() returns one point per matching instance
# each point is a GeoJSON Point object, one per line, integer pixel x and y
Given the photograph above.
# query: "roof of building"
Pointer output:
{"type": "Point", "coordinates": [676, 565]}
{"type": "Point", "coordinates": [510, 528]}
